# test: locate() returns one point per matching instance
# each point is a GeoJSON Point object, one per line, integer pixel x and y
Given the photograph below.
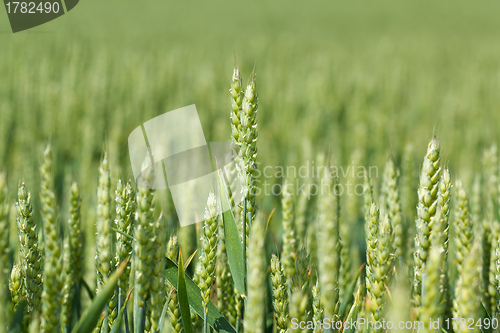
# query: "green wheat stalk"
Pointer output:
{"type": "Point", "coordinates": [467, 291]}
{"type": "Point", "coordinates": [378, 263]}
{"type": "Point", "coordinates": [328, 239]}
{"type": "Point", "coordinates": [289, 233]}
{"type": "Point", "coordinates": [31, 259]}
{"type": "Point", "coordinates": [426, 209]}
{"type": "Point", "coordinates": [433, 300]}
{"type": "Point", "coordinates": [301, 308]}
{"type": "Point", "coordinates": [463, 226]}
{"type": "Point", "coordinates": [209, 243]}
{"type": "Point", "coordinates": [124, 222]}
{"type": "Point", "coordinates": [157, 299]}
{"type": "Point", "coordinates": [280, 294]}
{"type": "Point", "coordinates": [393, 208]}
{"type": "Point", "coordinates": [144, 247]}
{"type": "Point", "coordinates": [104, 221]}
{"type": "Point", "coordinates": [73, 257]}
{"type": "Point", "coordinates": [247, 143]}
{"type": "Point", "coordinates": [236, 92]}
{"type": "Point", "coordinates": [105, 235]}
{"type": "Point", "coordinates": [52, 270]}
{"type": "Point", "coordinates": [490, 223]}
{"type": "Point", "coordinates": [440, 231]}
{"type": "Point", "coordinates": [256, 300]}
{"type": "Point", "coordinates": [318, 309]}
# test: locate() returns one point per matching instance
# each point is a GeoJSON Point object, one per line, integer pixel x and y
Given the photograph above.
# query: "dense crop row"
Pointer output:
{"type": "Point", "coordinates": [429, 237]}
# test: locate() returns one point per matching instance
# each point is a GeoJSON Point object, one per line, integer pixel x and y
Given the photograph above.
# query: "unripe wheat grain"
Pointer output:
{"type": "Point", "coordinates": [433, 302]}
{"type": "Point", "coordinates": [52, 270]}
{"type": "Point", "coordinates": [144, 249]}
{"type": "Point", "coordinates": [301, 308]}
{"type": "Point", "coordinates": [73, 256]}
{"type": "Point", "coordinates": [247, 142]}
{"type": "Point", "coordinates": [463, 226]}
{"type": "Point", "coordinates": [327, 235]}
{"type": "Point", "coordinates": [208, 250]}
{"type": "Point", "coordinates": [31, 259]}
{"type": "Point", "coordinates": [124, 221]}
{"type": "Point", "coordinates": [256, 302]}
{"type": "Point", "coordinates": [158, 274]}
{"type": "Point", "coordinates": [440, 231]}
{"type": "Point", "coordinates": [467, 292]}
{"type": "Point", "coordinates": [426, 209]}
{"type": "Point", "coordinates": [280, 294]}
{"type": "Point", "coordinates": [289, 234]}
{"type": "Point", "coordinates": [16, 283]}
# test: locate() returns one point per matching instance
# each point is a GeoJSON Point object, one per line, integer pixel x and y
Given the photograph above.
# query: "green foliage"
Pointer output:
{"type": "Point", "coordinates": [94, 312]}
{"type": "Point", "coordinates": [215, 319]}
{"type": "Point", "coordinates": [183, 297]}
{"type": "Point", "coordinates": [320, 93]}
{"type": "Point", "coordinates": [233, 242]}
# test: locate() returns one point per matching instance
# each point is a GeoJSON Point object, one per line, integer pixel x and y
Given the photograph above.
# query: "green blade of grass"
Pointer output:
{"type": "Point", "coordinates": [186, 264]}
{"type": "Point", "coordinates": [353, 313]}
{"type": "Point", "coordinates": [183, 297]}
{"type": "Point", "coordinates": [164, 311]}
{"type": "Point", "coordinates": [215, 318]}
{"type": "Point", "coordinates": [92, 315]}
{"type": "Point", "coordinates": [485, 314]}
{"type": "Point", "coordinates": [118, 321]}
{"type": "Point", "coordinates": [269, 219]}
{"type": "Point", "coordinates": [233, 240]}
{"type": "Point", "coordinates": [349, 296]}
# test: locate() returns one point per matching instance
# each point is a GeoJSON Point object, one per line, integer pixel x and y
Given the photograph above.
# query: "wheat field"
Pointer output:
{"type": "Point", "coordinates": [367, 138]}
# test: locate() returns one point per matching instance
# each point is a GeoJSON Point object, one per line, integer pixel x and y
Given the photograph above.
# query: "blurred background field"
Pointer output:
{"type": "Point", "coordinates": [333, 77]}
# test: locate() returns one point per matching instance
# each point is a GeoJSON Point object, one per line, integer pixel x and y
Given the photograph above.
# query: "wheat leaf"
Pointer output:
{"type": "Point", "coordinates": [215, 318]}
{"type": "Point", "coordinates": [91, 316]}
{"type": "Point", "coordinates": [233, 240]}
